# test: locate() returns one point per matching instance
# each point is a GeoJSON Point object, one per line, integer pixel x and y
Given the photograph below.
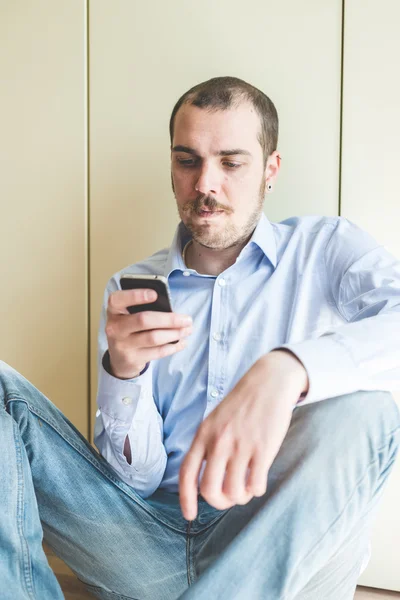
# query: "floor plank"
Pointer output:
{"type": "Point", "coordinates": [364, 593]}
{"type": "Point", "coordinates": [72, 588]}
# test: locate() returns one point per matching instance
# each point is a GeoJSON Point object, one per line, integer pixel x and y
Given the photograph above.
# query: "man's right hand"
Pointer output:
{"type": "Point", "coordinates": [134, 340]}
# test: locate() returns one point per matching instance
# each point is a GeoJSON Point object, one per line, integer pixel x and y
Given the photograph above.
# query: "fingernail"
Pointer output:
{"type": "Point", "coordinates": [187, 320]}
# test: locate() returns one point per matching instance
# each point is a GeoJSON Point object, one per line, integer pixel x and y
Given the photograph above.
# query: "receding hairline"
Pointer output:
{"type": "Point", "coordinates": [215, 109]}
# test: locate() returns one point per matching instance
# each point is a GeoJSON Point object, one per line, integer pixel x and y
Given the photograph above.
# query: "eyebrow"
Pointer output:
{"type": "Point", "coordinates": [232, 152]}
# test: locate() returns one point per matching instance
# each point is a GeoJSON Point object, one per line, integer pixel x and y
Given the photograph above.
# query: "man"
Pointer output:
{"type": "Point", "coordinates": [248, 459]}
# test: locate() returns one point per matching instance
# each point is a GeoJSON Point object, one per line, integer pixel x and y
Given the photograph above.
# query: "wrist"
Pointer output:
{"type": "Point", "coordinates": [123, 376]}
{"type": "Point", "coordinates": [292, 366]}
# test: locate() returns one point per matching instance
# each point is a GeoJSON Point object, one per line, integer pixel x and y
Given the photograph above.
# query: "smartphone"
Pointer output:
{"type": "Point", "coordinates": [148, 282]}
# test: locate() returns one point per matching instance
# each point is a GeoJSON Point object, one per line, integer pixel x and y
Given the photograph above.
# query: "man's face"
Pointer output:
{"type": "Point", "coordinates": [218, 173]}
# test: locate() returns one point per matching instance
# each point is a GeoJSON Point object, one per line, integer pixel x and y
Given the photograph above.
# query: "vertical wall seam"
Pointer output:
{"type": "Point", "coordinates": [88, 274]}
{"type": "Point", "coordinates": [341, 107]}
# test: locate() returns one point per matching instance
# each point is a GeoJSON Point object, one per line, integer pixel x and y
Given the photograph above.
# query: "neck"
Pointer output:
{"type": "Point", "coordinates": [208, 261]}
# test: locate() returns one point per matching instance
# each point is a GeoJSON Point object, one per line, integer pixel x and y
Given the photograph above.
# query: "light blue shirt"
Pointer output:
{"type": "Point", "coordinates": [319, 286]}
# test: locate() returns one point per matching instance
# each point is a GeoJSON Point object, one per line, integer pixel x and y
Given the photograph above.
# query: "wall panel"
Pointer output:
{"type": "Point", "coordinates": [370, 193]}
{"type": "Point", "coordinates": [43, 304]}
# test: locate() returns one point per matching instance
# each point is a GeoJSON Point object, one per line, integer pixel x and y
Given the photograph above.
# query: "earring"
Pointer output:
{"type": "Point", "coordinates": [269, 187]}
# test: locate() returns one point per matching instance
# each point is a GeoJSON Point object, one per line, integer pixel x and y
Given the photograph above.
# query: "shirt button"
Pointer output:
{"type": "Point", "coordinates": [217, 337]}
{"type": "Point", "coordinates": [221, 282]}
{"type": "Point", "coordinates": [127, 401]}
{"type": "Point", "coordinates": [186, 273]}
{"type": "Point", "coordinates": [214, 394]}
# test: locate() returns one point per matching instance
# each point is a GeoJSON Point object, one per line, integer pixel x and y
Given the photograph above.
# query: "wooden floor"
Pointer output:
{"type": "Point", "coordinates": [74, 590]}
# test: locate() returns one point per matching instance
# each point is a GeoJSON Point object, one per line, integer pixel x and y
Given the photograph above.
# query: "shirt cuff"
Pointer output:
{"type": "Point", "coordinates": [119, 398]}
{"type": "Point", "coordinates": [330, 368]}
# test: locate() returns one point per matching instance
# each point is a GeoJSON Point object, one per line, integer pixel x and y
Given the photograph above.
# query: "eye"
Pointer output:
{"type": "Point", "coordinates": [186, 162]}
{"type": "Point", "coordinates": [232, 165]}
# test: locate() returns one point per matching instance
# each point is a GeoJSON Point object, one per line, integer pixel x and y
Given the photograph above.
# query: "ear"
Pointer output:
{"type": "Point", "coordinates": [272, 167]}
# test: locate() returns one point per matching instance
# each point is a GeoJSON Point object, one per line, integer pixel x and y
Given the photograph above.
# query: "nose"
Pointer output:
{"type": "Point", "coordinates": [209, 180]}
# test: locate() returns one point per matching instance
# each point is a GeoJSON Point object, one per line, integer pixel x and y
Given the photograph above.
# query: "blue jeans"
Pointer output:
{"type": "Point", "coordinates": [305, 539]}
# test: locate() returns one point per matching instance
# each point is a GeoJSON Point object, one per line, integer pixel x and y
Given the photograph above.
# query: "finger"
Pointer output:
{"type": "Point", "coordinates": [234, 487]}
{"type": "Point", "coordinates": [121, 326]}
{"type": "Point", "coordinates": [159, 337]}
{"type": "Point", "coordinates": [119, 301]}
{"type": "Point", "coordinates": [146, 355]}
{"type": "Point", "coordinates": [189, 477]}
{"type": "Point", "coordinates": [258, 475]}
{"type": "Point", "coordinates": [213, 477]}
{"type": "Point", "coordinates": [155, 319]}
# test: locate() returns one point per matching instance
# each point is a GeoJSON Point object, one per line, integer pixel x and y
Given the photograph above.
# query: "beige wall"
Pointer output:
{"type": "Point", "coordinates": [43, 241]}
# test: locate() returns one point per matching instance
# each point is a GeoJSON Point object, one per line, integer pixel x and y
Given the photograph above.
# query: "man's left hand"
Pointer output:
{"type": "Point", "coordinates": [240, 439]}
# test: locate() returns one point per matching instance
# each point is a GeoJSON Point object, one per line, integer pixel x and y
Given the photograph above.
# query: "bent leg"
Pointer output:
{"type": "Point", "coordinates": [56, 483]}
{"type": "Point", "coordinates": [323, 489]}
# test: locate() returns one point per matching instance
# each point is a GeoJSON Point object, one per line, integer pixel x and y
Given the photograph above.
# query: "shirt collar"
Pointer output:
{"type": "Point", "coordinates": [263, 237]}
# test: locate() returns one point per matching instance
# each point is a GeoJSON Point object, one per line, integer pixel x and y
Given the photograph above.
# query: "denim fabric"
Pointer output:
{"type": "Point", "coordinates": [304, 539]}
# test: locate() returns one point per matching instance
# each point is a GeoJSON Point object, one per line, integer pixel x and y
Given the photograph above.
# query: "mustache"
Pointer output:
{"type": "Point", "coordinates": [204, 200]}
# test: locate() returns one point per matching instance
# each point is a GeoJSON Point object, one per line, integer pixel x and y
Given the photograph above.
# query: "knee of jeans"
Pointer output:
{"type": "Point", "coordinates": [377, 408]}
{"type": "Point", "coordinates": [344, 421]}
{"type": "Point", "coordinates": [373, 415]}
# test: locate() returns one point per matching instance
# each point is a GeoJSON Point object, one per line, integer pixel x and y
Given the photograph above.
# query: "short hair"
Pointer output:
{"type": "Point", "coordinates": [222, 93]}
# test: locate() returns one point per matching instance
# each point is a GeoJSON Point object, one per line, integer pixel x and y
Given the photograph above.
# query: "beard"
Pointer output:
{"type": "Point", "coordinates": [231, 234]}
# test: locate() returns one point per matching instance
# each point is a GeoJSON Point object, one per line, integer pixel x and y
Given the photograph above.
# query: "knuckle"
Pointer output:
{"type": "Point", "coordinates": [111, 300]}
{"type": "Point", "coordinates": [220, 442]}
{"type": "Point", "coordinates": [204, 430]}
{"type": "Point", "coordinates": [232, 494]}
{"type": "Point", "coordinates": [237, 496]}
{"type": "Point", "coordinates": [109, 329]}
{"type": "Point", "coordinates": [142, 320]}
{"type": "Point", "coordinates": [217, 501]}
{"type": "Point", "coordinates": [153, 338]}
{"type": "Point", "coordinates": [210, 496]}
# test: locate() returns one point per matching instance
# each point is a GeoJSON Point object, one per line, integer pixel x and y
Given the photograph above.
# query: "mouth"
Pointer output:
{"type": "Point", "coordinates": [209, 214]}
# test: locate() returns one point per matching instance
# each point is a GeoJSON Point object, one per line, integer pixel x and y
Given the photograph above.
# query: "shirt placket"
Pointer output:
{"type": "Point", "coordinates": [217, 344]}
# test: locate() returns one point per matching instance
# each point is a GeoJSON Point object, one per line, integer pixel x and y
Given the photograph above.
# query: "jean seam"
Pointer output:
{"type": "Point", "coordinates": [89, 458]}
{"type": "Point", "coordinates": [26, 562]}
{"type": "Point", "coordinates": [188, 549]}
{"type": "Point", "coordinates": [356, 487]}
